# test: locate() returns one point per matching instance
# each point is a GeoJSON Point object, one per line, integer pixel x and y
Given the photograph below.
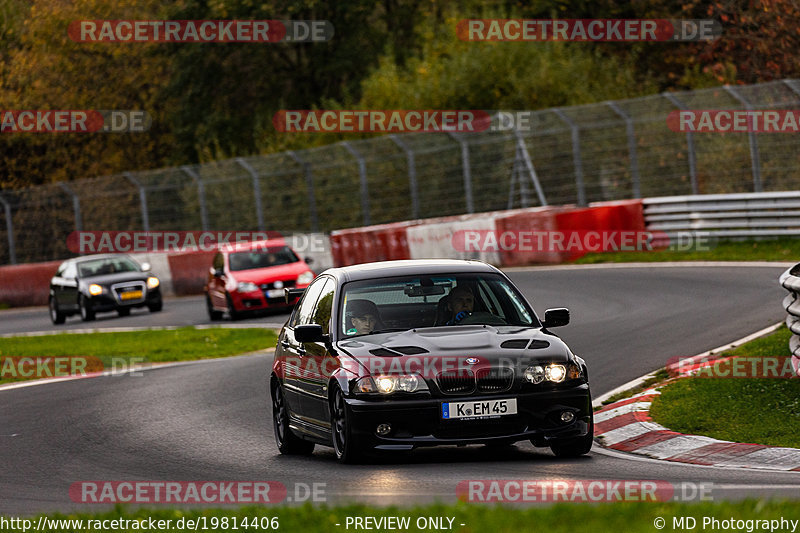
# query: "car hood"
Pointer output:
{"type": "Point", "coordinates": [119, 277]}
{"type": "Point", "coordinates": [484, 345]}
{"type": "Point", "coordinates": [273, 273]}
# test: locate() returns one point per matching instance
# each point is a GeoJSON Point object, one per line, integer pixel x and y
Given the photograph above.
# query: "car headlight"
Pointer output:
{"type": "Point", "coordinates": [555, 373]}
{"type": "Point", "coordinates": [152, 282]}
{"type": "Point", "coordinates": [391, 383]}
{"type": "Point", "coordinates": [246, 286]}
{"type": "Point", "coordinates": [95, 289]}
{"type": "Point", "coordinates": [305, 278]}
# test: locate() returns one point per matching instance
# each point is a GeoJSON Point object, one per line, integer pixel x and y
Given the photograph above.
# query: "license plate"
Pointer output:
{"type": "Point", "coordinates": [275, 293]}
{"type": "Point", "coordinates": [479, 409]}
{"type": "Point", "coordinates": [130, 295]}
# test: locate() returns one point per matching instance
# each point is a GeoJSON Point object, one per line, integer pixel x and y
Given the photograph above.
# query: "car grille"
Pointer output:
{"type": "Point", "coordinates": [287, 284]}
{"type": "Point", "coordinates": [120, 288]}
{"type": "Point", "coordinates": [494, 379]}
{"type": "Point", "coordinates": [456, 381]}
{"type": "Point", "coordinates": [486, 380]}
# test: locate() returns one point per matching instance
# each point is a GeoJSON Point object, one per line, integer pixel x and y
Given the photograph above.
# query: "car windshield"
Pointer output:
{"type": "Point", "coordinates": [402, 303]}
{"type": "Point", "coordinates": [262, 258]}
{"type": "Point", "coordinates": [112, 265]}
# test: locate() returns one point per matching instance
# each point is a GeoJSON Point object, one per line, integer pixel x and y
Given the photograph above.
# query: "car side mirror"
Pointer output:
{"type": "Point", "coordinates": [146, 267]}
{"type": "Point", "coordinates": [308, 260]}
{"type": "Point", "coordinates": [309, 333]}
{"type": "Point", "coordinates": [218, 272]}
{"type": "Point", "coordinates": [556, 317]}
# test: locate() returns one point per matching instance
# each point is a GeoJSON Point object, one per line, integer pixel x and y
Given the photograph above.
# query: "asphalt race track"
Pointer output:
{"type": "Point", "coordinates": [211, 421]}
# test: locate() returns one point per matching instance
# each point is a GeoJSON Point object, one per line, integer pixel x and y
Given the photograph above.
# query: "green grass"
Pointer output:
{"type": "Point", "coordinates": [784, 250]}
{"type": "Point", "coordinates": [477, 518]}
{"type": "Point", "coordinates": [153, 346]}
{"type": "Point", "coordinates": [762, 411]}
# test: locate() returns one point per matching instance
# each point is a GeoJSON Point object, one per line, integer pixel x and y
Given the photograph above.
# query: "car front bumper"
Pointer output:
{"type": "Point", "coordinates": [419, 422]}
{"type": "Point", "coordinates": [108, 302]}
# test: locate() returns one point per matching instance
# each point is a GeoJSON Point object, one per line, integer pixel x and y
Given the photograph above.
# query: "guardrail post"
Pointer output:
{"type": "Point", "coordinates": [312, 200]}
{"type": "Point", "coordinates": [256, 191]}
{"type": "Point", "coordinates": [76, 205]}
{"type": "Point", "coordinates": [526, 159]}
{"type": "Point", "coordinates": [689, 144]}
{"type": "Point", "coordinates": [635, 178]}
{"type": "Point", "coordinates": [142, 200]}
{"type": "Point", "coordinates": [412, 173]}
{"type": "Point", "coordinates": [576, 155]}
{"type": "Point", "coordinates": [752, 139]}
{"type": "Point", "coordinates": [465, 169]}
{"type": "Point", "coordinates": [201, 194]}
{"type": "Point", "coordinates": [362, 177]}
{"type": "Point", "coordinates": [12, 253]}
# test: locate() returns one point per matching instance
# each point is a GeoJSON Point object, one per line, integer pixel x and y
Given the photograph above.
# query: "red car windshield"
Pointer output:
{"type": "Point", "coordinates": [262, 258]}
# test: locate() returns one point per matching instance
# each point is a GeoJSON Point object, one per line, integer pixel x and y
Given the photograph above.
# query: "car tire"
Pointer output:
{"type": "Point", "coordinates": [55, 315]}
{"type": "Point", "coordinates": [213, 314]}
{"type": "Point", "coordinates": [347, 449]}
{"type": "Point", "coordinates": [156, 307]}
{"type": "Point", "coordinates": [87, 313]}
{"type": "Point", "coordinates": [124, 311]}
{"type": "Point", "coordinates": [232, 312]}
{"type": "Point", "coordinates": [288, 443]}
{"type": "Point", "coordinates": [575, 447]}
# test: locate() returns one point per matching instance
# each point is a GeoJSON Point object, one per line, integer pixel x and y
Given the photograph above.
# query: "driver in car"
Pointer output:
{"type": "Point", "coordinates": [460, 303]}
{"type": "Point", "coordinates": [364, 317]}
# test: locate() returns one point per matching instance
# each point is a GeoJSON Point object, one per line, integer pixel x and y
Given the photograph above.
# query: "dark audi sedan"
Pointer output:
{"type": "Point", "coordinates": [402, 354]}
{"type": "Point", "coordinates": [96, 283]}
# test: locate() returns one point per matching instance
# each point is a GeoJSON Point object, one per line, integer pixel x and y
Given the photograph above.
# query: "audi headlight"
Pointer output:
{"type": "Point", "coordinates": [152, 282]}
{"type": "Point", "coordinates": [391, 383]}
{"type": "Point", "coordinates": [95, 289]}
{"type": "Point", "coordinates": [246, 286]}
{"type": "Point", "coordinates": [305, 278]}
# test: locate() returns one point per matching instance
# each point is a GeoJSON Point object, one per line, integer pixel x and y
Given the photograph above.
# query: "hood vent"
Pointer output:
{"type": "Point", "coordinates": [538, 344]}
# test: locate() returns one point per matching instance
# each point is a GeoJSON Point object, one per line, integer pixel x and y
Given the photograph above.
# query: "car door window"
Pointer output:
{"type": "Point", "coordinates": [70, 271]}
{"type": "Point", "coordinates": [322, 312]}
{"type": "Point", "coordinates": [306, 306]}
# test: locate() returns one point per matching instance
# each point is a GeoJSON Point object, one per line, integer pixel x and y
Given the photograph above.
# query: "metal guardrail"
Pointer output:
{"type": "Point", "coordinates": [725, 216]}
{"type": "Point", "coordinates": [790, 280]}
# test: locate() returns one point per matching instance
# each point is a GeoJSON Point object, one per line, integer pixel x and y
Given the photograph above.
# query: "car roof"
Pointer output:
{"type": "Point", "coordinates": [98, 256]}
{"type": "Point", "coordinates": [387, 269]}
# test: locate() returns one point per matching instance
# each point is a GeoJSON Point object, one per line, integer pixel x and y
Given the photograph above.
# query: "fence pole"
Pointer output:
{"type": "Point", "coordinates": [362, 178]}
{"type": "Point", "coordinates": [689, 144]}
{"type": "Point", "coordinates": [634, 157]}
{"type": "Point", "coordinates": [201, 194]}
{"type": "Point", "coordinates": [526, 159]}
{"type": "Point", "coordinates": [576, 155]}
{"type": "Point", "coordinates": [256, 191]}
{"type": "Point", "coordinates": [412, 173]}
{"type": "Point", "coordinates": [312, 200]}
{"type": "Point", "coordinates": [12, 253]}
{"type": "Point", "coordinates": [76, 205]}
{"type": "Point", "coordinates": [142, 200]}
{"type": "Point", "coordinates": [465, 169]}
{"type": "Point", "coordinates": [752, 139]}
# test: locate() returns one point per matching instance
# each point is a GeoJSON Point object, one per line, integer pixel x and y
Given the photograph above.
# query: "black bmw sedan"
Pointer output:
{"type": "Point", "coordinates": [401, 354]}
{"type": "Point", "coordinates": [96, 283]}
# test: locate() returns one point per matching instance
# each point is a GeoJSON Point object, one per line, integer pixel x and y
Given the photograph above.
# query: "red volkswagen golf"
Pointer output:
{"type": "Point", "coordinates": [252, 277]}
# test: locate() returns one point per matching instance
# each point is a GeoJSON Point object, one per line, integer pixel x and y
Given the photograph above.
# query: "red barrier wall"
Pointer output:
{"type": "Point", "coordinates": [190, 271]}
{"type": "Point", "coordinates": [383, 242]}
{"type": "Point", "coordinates": [533, 220]}
{"type": "Point", "coordinates": [626, 215]}
{"type": "Point", "coordinates": [24, 285]}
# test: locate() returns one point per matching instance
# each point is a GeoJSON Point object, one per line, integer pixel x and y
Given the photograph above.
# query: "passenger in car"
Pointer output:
{"type": "Point", "coordinates": [363, 317]}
